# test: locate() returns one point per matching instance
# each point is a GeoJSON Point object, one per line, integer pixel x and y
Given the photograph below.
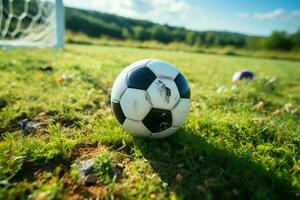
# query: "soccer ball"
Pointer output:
{"type": "Point", "coordinates": [243, 74]}
{"type": "Point", "coordinates": [151, 98]}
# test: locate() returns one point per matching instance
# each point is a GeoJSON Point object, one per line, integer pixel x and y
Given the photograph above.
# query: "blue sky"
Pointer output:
{"type": "Point", "coordinates": [255, 17]}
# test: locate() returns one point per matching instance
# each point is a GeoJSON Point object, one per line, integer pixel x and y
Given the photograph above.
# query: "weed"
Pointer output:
{"type": "Point", "coordinates": [105, 167]}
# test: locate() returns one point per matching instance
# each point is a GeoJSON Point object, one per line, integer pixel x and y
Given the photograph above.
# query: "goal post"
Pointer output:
{"type": "Point", "coordinates": [60, 23]}
{"type": "Point", "coordinates": [32, 23]}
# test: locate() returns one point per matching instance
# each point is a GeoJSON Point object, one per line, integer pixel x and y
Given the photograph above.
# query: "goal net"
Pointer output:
{"type": "Point", "coordinates": [32, 23]}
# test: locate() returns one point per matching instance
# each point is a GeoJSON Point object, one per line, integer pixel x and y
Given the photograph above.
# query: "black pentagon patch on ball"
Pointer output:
{"type": "Point", "coordinates": [140, 78]}
{"type": "Point", "coordinates": [183, 86]}
{"type": "Point", "coordinates": [158, 120]}
{"type": "Point", "coordinates": [116, 106]}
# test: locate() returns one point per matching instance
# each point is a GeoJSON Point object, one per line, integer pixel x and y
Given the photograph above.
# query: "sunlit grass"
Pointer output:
{"type": "Point", "coordinates": [232, 145]}
{"type": "Point", "coordinates": [79, 38]}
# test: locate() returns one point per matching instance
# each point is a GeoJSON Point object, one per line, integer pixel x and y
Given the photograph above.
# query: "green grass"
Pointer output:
{"type": "Point", "coordinates": [78, 38]}
{"type": "Point", "coordinates": [231, 147]}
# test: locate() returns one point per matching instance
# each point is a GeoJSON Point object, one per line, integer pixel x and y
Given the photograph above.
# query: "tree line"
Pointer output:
{"type": "Point", "coordinates": [97, 24]}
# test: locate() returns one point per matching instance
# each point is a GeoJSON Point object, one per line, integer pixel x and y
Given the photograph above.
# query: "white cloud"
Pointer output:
{"type": "Point", "coordinates": [277, 14]}
{"type": "Point", "coordinates": [168, 10]}
{"type": "Point", "coordinates": [129, 8]}
{"type": "Point", "coordinates": [269, 15]}
{"type": "Point", "coordinates": [162, 11]}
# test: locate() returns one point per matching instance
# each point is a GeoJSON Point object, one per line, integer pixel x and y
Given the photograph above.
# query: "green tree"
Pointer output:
{"type": "Point", "coordinates": [127, 33]}
{"type": "Point", "coordinates": [278, 40]}
{"type": "Point", "coordinates": [190, 38]}
{"type": "Point", "coordinates": [179, 34]}
{"type": "Point", "coordinates": [160, 33]}
{"type": "Point", "coordinates": [141, 33]}
{"type": "Point", "coordinates": [198, 40]}
{"type": "Point", "coordinates": [295, 39]}
{"type": "Point", "coordinates": [209, 38]}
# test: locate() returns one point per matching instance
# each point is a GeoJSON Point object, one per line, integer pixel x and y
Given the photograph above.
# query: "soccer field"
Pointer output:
{"type": "Point", "coordinates": [238, 143]}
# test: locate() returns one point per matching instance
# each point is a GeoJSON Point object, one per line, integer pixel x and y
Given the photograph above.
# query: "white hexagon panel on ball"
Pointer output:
{"type": "Point", "coordinates": [134, 103]}
{"type": "Point", "coordinates": [136, 127]}
{"type": "Point", "coordinates": [163, 93]}
{"type": "Point", "coordinates": [180, 112]}
{"type": "Point", "coordinates": [140, 63]}
{"type": "Point", "coordinates": [119, 87]}
{"type": "Point", "coordinates": [163, 69]}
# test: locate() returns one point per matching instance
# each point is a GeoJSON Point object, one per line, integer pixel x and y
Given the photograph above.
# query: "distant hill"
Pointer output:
{"type": "Point", "coordinates": [96, 24]}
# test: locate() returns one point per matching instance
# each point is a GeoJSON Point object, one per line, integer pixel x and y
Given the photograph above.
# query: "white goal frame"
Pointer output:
{"type": "Point", "coordinates": [58, 40]}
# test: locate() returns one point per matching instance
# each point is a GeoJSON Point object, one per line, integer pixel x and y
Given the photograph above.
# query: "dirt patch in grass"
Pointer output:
{"type": "Point", "coordinates": [41, 120]}
{"type": "Point", "coordinates": [78, 191]}
{"type": "Point", "coordinates": [73, 190]}
{"type": "Point", "coordinates": [68, 120]}
{"type": "Point", "coordinates": [30, 170]}
{"type": "Point", "coordinates": [88, 151]}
